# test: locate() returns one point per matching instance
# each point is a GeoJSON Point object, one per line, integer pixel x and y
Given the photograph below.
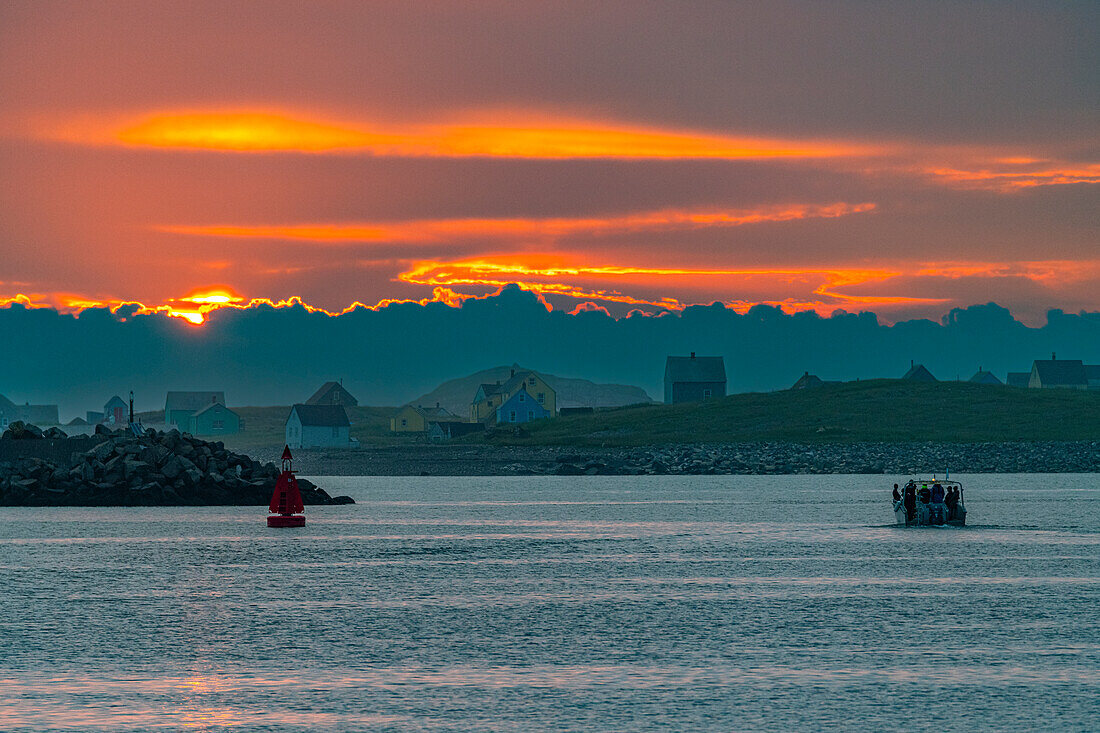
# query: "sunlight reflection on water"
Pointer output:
{"type": "Point", "coordinates": [569, 604]}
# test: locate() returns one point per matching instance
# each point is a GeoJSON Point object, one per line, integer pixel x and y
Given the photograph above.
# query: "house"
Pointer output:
{"type": "Point", "coordinates": [180, 406]}
{"type": "Point", "coordinates": [27, 413]}
{"type": "Point", "coordinates": [521, 407]}
{"type": "Point", "coordinates": [116, 412]}
{"type": "Point", "coordinates": [415, 418]}
{"type": "Point", "coordinates": [811, 381]}
{"type": "Point", "coordinates": [694, 378]}
{"type": "Point", "coordinates": [917, 373]}
{"type": "Point", "coordinates": [983, 377]}
{"type": "Point", "coordinates": [318, 426]}
{"type": "Point", "coordinates": [489, 397]}
{"type": "Point", "coordinates": [1018, 379]}
{"type": "Point", "coordinates": [214, 419]}
{"type": "Point", "coordinates": [8, 412]}
{"type": "Point", "coordinates": [77, 422]}
{"type": "Point", "coordinates": [440, 430]}
{"type": "Point", "coordinates": [333, 393]}
{"type": "Point", "coordinates": [1055, 373]}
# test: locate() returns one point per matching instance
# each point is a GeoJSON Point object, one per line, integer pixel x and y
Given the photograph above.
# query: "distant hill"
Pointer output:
{"type": "Point", "coordinates": [456, 394]}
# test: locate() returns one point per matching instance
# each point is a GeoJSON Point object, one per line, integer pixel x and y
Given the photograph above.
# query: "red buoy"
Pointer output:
{"type": "Point", "coordinates": [286, 503]}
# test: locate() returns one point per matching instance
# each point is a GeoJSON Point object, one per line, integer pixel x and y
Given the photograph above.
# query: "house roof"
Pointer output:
{"type": "Point", "coordinates": [488, 390]}
{"type": "Point", "coordinates": [917, 373]}
{"type": "Point", "coordinates": [437, 412]}
{"type": "Point", "coordinates": [1018, 379]}
{"type": "Point", "coordinates": [984, 377]}
{"type": "Point", "coordinates": [322, 415]}
{"type": "Point", "coordinates": [77, 421]}
{"type": "Point", "coordinates": [695, 369]}
{"type": "Point", "coordinates": [113, 401]}
{"type": "Point", "coordinates": [192, 400]}
{"type": "Point", "coordinates": [321, 396]}
{"type": "Point", "coordinates": [210, 407]}
{"type": "Point", "coordinates": [1060, 372]}
{"type": "Point", "coordinates": [6, 403]}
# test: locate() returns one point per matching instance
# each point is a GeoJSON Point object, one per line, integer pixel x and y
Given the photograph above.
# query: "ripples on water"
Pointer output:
{"type": "Point", "coordinates": [593, 603]}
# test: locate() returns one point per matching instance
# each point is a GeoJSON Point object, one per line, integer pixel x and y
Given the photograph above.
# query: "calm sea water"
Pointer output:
{"type": "Point", "coordinates": [594, 603]}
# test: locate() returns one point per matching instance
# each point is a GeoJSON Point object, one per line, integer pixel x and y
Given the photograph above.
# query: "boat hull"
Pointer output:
{"type": "Point", "coordinates": [286, 520]}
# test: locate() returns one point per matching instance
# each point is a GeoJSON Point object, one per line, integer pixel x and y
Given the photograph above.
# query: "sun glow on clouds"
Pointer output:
{"type": "Point", "coordinates": [506, 134]}
{"type": "Point", "coordinates": [439, 230]}
{"type": "Point", "coordinates": [818, 289]}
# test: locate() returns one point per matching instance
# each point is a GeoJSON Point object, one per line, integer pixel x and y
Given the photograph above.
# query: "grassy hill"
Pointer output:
{"type": "Point", "coordinates": [877, 410]}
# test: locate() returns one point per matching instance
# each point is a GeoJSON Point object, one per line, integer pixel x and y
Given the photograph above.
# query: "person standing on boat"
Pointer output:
{"type": "Point", "coordinates": [910, 501]}
{"type": "Point", "coordinates": [952, 502]}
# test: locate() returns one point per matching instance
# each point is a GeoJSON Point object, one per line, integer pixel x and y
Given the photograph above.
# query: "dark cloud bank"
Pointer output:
{"type": "Point", "coordinates": [277, 356]}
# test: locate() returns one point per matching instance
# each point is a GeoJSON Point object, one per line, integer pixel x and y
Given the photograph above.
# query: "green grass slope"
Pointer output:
{"type": "Point", "coordinates": [877, 410]}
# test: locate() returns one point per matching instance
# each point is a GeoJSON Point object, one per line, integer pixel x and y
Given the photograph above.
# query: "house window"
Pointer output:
{"type": "Point", "coordinates": [522, 397]}
{"type": "Point", "coordinates": [530, 414]}
{"type": "Point", "coordinates": [531, 381]}
{"type": "Point", "coordinates": [218, 424]}
{"type": "Point", "coordinates": [541, 398]}
{"type": "Point", "coordinates": [707, 394]}
{"type": "Point", "coordinates": [512, 416]}
{"type": "Point", "coordinates": [404, 423]}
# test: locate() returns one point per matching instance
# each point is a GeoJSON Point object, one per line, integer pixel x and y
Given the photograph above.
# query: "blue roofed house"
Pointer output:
{"type": "Point", "coordinates": [521, 407]}
{"type": "Point", "coordinates": [489, 397]}
{"type": "Point", "coordinates": [694, 378]}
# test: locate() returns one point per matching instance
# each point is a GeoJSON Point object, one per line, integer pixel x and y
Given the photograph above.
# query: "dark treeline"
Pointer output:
{"type": "Point", "coordinates": [264, 355]}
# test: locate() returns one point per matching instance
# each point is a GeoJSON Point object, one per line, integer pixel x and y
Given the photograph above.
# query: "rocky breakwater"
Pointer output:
{"type": "Point", "coordinates": [835, 458]}
{"type": "Point", "coordinates": [123, 469]}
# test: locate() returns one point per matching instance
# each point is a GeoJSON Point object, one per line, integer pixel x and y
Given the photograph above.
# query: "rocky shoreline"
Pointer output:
{"type": "Point", "coordinates": [123, 469]}
{"type": "Point", "coordinates": [416, 459]}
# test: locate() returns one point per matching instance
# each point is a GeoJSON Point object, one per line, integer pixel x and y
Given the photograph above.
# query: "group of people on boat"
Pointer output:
{"type": "Point", "coordinates": [929, 505]}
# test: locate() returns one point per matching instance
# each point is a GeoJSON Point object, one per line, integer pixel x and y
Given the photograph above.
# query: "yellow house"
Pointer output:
{"type": "Point", "coordinates": [490, 397]}
{"type": "Point", "coordinates": [415, 418]}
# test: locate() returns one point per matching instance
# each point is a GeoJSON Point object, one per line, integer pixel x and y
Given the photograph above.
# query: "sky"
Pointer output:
{"type": "Point", "coordinates": [898, 158]}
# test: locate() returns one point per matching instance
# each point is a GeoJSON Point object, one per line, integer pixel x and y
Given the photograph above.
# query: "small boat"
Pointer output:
{"type": "Point", "coordinates": [929, 503]}
{"type": "Point", "coordinates": [286, 501]}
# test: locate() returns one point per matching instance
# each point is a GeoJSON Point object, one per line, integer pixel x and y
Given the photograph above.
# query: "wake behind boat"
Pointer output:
{"type": "Point", "coordinates": [929, 503]}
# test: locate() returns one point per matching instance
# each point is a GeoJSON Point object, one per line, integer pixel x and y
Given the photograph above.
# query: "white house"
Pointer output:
{"type": "Point", "coordinates": [318, 426]}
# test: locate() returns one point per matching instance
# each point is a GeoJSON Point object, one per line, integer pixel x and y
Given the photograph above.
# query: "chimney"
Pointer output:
{"type": "Point", "coordinates": [693, 355]}
{"type": "Point", "coordinates": [513, 372]}
{"type": "Point", "coordinates": [911, 364]}
{"type": "Point", "coordinates": [1053, 356]}
{"type": "Point", "coordinates": [437, 405]}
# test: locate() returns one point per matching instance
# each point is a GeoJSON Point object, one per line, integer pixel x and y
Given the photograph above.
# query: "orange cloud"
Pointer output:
{"type": "Point", "coordinates": [538, 274]}
{"type": "Point", "coordinates": [496, 134]}
{"type": "Point", "coordinates": [440, 230]}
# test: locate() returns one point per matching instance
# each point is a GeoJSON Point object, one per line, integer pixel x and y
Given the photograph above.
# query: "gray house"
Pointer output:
{"type": "Point", "coordinates": [984, 377]}
{"type": "Point", "coordinates": [1055, 373]}
{"type": "Point", "coordinates": [918, 373]}
{"type": "Point", "coordinates": [318, 426]}
{"type": "Point", "coordinates": [333, 393]}
{"type": "Point", "coordinates": [180, 406]}
{"type": "Point", "coordinates": [1018, 379]}
{"type": "Point", "coordinates": [28, 413]}
{"type": "Point", "coordinates": [694, 378]}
